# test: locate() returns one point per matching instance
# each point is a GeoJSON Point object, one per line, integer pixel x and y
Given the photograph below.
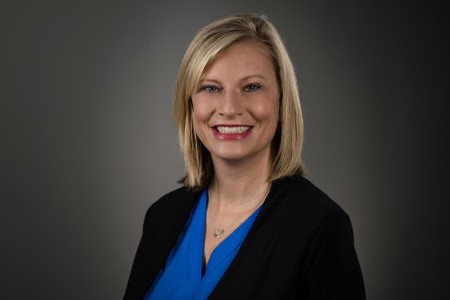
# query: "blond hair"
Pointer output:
{"type": "Point", "coordinates": [209, 41]}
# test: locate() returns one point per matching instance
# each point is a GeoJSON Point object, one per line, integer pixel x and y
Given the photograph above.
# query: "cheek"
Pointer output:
{"type": "Point", "coordinates": [276, 110]}
{"type": "Point", "coordinates": [268, 110]}
{"type": "Point", "coordinates": [200, 112]}
{"type": "Point", "coordinates": [270, 116]}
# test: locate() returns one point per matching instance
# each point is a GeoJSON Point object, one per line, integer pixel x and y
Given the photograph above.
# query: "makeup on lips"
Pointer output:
{"type": "Point", "coordinates": [231, 132]}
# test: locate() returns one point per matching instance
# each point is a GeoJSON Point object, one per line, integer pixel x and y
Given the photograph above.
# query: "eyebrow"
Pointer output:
{"type": "Point", "coordinates": [253, 75]}
{"type": "Point", "coordinates": [202, 80]}
{"type": "Point", "coordinates": [242, 79]}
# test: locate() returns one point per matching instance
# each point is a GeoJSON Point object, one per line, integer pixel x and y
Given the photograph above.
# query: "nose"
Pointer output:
{"type": "Point", "coordinates": [230, 105]}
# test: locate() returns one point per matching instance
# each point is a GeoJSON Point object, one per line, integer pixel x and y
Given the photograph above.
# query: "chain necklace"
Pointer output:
{"type": "Point", "coordinates": [218, 233]}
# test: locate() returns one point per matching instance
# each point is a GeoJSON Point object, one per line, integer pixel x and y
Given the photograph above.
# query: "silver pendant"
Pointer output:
{"type": "Point", "coordinates": [218, 233]}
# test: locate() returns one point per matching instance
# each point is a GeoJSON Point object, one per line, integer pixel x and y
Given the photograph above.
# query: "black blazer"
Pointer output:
{"type": "Point", "coordinates": [300, 246]}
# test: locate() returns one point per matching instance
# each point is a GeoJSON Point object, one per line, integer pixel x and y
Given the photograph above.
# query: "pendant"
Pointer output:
{"type": "Point", "coordinates": [218, 233]}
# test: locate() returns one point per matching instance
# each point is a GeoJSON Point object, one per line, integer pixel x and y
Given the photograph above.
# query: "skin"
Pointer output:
{"type": "Point", "coordinates": [237, 90]}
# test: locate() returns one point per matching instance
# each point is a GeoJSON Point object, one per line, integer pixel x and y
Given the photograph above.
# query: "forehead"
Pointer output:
{"type": "Point", "coordinates": [241, 57]}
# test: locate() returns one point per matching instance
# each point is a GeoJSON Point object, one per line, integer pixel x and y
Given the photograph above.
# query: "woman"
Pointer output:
{"type": "Point", "coordinates": [246, 224]}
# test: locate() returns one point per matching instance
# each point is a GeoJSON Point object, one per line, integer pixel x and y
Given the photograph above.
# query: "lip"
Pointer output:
{"type": "Point", "coordinates": [233, 135]}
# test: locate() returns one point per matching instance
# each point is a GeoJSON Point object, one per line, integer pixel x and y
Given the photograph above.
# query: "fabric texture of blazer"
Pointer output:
{"type": "Point", "coordinates": [299, 247]}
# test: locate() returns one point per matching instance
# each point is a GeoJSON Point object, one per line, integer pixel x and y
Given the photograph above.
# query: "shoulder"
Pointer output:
{"type": "Point", "coordinates": [172, 206]}
{"type": "Point", "coordinates": [303, 204]}
{"type": "Point", "coordinates": [301, 192]}
{"type": "Point", "coordinates": [173, 199]}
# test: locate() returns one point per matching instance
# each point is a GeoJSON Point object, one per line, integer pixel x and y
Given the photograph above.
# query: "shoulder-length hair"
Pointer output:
{"type": "Point", "coordinates": [209, 41]}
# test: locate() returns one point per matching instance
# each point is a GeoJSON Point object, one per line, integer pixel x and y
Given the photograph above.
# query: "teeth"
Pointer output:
{"type": "Point", "coordinates": [235, 129]}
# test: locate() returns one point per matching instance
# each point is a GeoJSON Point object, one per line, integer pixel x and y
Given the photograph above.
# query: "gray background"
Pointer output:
{"type": "Point", "coordinates": [88, 143]}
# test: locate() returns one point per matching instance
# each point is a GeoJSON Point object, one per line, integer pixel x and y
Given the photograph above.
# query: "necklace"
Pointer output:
{"type": "Point", "coordinates": [218, 233]}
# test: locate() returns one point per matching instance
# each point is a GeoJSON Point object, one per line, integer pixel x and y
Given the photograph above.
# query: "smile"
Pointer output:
{"type": "Point", "coordinates": [232, 129]}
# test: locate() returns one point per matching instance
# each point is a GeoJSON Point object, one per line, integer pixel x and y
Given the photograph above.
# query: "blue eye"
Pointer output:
{"type": "Point", "coordinates": [251, 87]}
{"type": "Point", "coordinates": [210, 89]}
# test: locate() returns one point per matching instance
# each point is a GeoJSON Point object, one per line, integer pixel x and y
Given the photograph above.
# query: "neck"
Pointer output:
{"type": "Point", "coordinates": [239, 185]}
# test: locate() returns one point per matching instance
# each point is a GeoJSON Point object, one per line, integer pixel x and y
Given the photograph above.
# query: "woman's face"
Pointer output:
{"type": "Point", "coordinates": [236, 105]}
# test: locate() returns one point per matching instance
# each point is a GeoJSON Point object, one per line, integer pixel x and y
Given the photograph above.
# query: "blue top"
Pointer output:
{"type": "Point", "coordinates": [182, 275]}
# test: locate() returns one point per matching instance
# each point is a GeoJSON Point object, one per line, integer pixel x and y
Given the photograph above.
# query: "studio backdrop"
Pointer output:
{"type": "Point", "coordinates": [88, 142]}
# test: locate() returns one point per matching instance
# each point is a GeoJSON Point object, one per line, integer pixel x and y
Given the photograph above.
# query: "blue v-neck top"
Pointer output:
{"type": "Point", "coordinates": [182, 276]}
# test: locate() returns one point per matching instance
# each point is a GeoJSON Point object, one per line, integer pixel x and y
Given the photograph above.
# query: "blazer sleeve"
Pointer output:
{"type": "Point", "coordinates": [138, 281]}
{"type": "Point", "coordinates": [163, 222]}
{"type": "Point", "coordinates": [334, 271]}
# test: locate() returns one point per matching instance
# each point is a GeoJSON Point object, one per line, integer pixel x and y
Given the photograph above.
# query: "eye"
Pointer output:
{"type": "Point", "coordinates": [251, 87]}
{"type": "Point", "coordinates": [210, 88]}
